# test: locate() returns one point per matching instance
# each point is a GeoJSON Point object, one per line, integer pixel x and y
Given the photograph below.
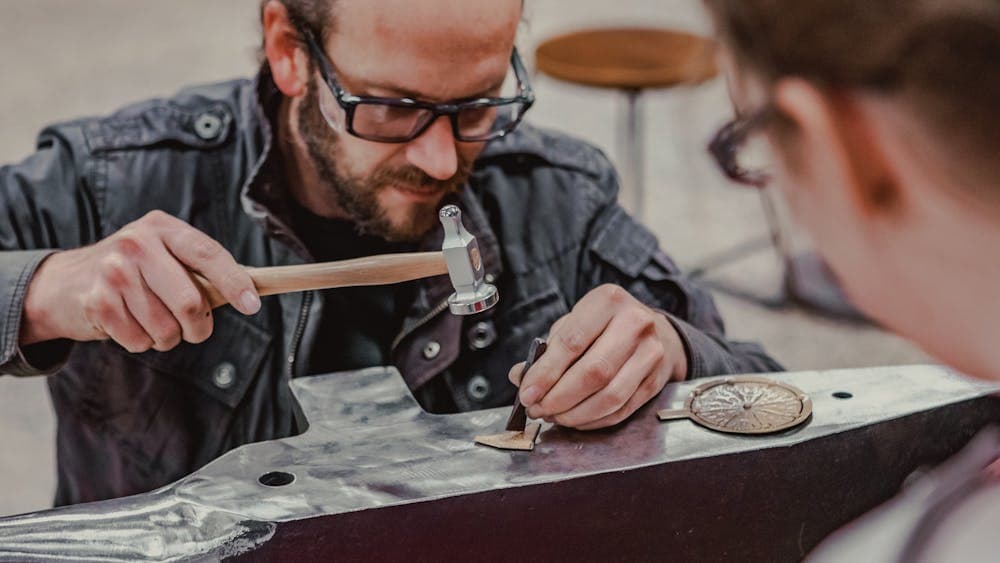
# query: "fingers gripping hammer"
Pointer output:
{"type": "Point", "coordinates": [459, 258]}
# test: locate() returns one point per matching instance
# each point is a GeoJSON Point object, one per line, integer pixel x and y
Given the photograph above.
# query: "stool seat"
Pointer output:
{"type": "Point", "coordinates": [628, 58]}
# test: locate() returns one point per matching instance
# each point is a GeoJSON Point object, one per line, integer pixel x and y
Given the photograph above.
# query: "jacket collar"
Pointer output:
{"type": "Point", "coordinates": [263, 195]}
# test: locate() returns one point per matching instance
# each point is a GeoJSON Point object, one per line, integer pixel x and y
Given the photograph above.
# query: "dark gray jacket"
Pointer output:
{"type": "Point", "coordinates": [542, 206]}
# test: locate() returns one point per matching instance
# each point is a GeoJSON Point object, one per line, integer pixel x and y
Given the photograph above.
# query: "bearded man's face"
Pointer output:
{"type": "Point", "coordinates": [397, 202]}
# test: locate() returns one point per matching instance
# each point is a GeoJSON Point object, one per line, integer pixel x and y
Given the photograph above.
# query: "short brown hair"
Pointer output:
{"type": "Point", "coordinates": [941, 56]}
{"type": "Point", "coordinates": [316, 16]}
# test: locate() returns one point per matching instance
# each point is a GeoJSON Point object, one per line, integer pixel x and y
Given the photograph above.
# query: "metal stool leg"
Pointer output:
{"type": "Point", "coordinates": [631, 148]}
{"type": "Point", "coordinates": [807, 282]}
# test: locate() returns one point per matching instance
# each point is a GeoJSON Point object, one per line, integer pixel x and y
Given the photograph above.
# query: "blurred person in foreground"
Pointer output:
{"type": "Point", "coordinates": [882, 122]}
{"type": "Point", "coordinates": [365, 118]}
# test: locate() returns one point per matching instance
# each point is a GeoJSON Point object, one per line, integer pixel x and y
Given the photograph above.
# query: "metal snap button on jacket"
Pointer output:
{"type": "Point", "coordinates": [431, 350]}
{"type": "Point", "coordinates": [479, 388]}
{"type": "Point", "coordinates": [224, 375]}
{"type": "Point", "coordinates": [208, 126]}
{"type": "Point", "coordinates": [482, 335]}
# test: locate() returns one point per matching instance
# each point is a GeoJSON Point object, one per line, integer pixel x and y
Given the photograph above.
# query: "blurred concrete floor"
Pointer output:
{"type": "Point", "coordinates": [65, 59]}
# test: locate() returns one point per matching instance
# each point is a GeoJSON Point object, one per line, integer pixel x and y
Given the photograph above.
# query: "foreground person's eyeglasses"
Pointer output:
{"type": "Point", "coordinates": [399, 120]}
{"type": "Point", "coordinates": [728, 148]}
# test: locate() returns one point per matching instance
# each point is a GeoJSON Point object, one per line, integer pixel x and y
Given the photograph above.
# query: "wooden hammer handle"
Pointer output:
{"type": "Point", "coordinates": [370, 270]}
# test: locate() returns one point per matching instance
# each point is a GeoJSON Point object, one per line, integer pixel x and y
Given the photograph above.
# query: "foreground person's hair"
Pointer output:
{"type": "Point", "coordinates": [940, 58]}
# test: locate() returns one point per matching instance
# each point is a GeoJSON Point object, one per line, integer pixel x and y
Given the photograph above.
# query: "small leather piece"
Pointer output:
{"type": "Point", "coordinates": [523, 440]}
{"type": "Point", "coordinates": [518, 435]}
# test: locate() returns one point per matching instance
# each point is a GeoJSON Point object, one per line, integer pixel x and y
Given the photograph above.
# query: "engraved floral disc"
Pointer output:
{"type": "Point", "coordinates": [748, 405]}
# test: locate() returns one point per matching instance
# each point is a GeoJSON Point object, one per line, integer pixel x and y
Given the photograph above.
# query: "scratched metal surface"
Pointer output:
{"type": "Point", "coordinates": [370, 445]}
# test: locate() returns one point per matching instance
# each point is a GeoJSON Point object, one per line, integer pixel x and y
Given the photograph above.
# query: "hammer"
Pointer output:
{"type": "Point", "coordinates": [459, 258]}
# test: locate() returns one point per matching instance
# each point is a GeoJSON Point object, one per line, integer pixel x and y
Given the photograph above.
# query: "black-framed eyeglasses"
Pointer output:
{"type": "Point", "coordinates": [400, 120]}
{"type": "Point", "coordinates": [728, 144]}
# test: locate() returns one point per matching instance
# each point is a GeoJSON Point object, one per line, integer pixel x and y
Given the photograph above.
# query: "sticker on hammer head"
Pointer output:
{"type": "Point", "coordinates": [477, 262]}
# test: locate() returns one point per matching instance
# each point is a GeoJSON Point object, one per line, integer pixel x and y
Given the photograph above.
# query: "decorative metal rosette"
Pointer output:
{"type": "Point", "coordinates": [744, 405]}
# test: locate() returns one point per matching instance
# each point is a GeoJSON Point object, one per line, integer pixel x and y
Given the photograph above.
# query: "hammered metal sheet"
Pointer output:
{"type": "Point", "coordinates": [370, 445]}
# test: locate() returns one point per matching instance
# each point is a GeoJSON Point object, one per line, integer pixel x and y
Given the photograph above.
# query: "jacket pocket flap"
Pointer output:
{"type": "Point", "coordinates": [224, 365]}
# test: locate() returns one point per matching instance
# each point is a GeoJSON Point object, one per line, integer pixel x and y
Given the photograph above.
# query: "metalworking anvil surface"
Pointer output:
{"type": "Point", "coordinates": [375, 477]}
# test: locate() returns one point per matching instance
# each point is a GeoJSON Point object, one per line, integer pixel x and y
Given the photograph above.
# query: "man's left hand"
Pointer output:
{"type": "Point", "coordinates": [605, 359]}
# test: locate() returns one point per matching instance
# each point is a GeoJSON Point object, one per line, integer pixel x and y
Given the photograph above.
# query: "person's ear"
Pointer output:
{"type": "Point", "coordinates": [832, 137]}
{"type": "Point", "coordinates": [285, 51]}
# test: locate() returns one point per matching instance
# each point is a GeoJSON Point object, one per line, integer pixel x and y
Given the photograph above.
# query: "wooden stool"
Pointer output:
{"type": "Point", "coordinates": [631, 60]}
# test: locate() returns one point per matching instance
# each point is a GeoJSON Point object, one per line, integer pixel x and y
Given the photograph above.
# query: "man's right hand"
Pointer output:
{"type": "Point", "coordinates": [135, 287]}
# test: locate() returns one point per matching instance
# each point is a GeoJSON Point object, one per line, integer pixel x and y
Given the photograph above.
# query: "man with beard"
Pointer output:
{"type": "Point", "coordinates": [366, 117]}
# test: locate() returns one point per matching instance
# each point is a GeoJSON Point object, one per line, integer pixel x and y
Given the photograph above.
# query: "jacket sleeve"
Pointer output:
{"type": "Point", "coordinates": [621, 251]}
{"type": "Point", "coordinates": [47, 202]}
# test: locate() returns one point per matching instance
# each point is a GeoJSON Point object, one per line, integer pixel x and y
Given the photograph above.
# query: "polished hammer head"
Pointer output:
{"type": "Point", "coordinates": [465, 266]}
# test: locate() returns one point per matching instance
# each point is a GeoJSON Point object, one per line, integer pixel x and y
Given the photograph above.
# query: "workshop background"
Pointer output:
{"type": "Point", "coordinates": [65, 59]}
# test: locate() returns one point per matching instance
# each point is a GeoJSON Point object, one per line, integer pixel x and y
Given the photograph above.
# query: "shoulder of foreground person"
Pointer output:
{"type": "Point", "coordinates": [948, 514]}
